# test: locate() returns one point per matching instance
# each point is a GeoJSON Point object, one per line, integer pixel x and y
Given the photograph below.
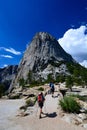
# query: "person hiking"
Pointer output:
{"type": "Point", "coordinates": [51, 85]}
{"type": "Point", "coordinates": [41, 100]}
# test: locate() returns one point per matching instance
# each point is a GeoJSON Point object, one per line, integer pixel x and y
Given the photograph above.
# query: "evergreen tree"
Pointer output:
{"type": "Point", "coordinates": [69, 82]}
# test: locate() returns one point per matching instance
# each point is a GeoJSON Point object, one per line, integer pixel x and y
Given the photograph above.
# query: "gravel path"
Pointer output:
{"type": "Point", "coordinates": [50, 121]}
{"type": "Point", "coordinates": [8, 112]}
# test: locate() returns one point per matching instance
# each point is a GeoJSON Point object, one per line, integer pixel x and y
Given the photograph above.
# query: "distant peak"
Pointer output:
{"type": "Point", "coordinates": [43, 36]}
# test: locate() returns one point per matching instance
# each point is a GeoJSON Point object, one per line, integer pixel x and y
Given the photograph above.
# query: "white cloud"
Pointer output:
{"type": "Point", "coordinates": [6, 56]}
{"type": "Point", "coordinates": [11, 50]}
{"type": "Point", "coordinates": [74, 42]}
{"type": "Point", "coordinates": [5, 65]}
{"type": "Point", "coordinates": [84, 63]}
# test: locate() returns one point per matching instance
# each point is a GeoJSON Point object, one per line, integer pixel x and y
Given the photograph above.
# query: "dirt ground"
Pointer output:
{"type": "Point", "coordinates": [50, 119]}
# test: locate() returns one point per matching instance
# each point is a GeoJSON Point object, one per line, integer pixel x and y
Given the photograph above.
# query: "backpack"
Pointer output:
{"type": "Point", "coordinates": [40, 98]}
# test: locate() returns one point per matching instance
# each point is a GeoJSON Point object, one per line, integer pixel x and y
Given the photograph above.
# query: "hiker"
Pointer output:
{"type": "Point", "coordinates": [41, 100]}
{"type": "Point", "coordinates": [51, 85]}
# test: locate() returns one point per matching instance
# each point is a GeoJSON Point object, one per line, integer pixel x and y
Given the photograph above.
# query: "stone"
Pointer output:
{"type": "Point", "coordinates": [82, 116]}
{"type": "Point", "coordinates": [7, 74]}
{"type": "Point", "coordinates": [41, 58]}
{"type": "Point", "coordinates": [84, 125]}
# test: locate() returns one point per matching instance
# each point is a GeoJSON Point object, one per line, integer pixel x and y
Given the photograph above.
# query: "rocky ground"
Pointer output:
{"type": "Point", "coordinates": [52, 119]}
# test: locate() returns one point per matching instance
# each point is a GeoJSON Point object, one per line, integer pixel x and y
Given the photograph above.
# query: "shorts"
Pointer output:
{"type": "Point", "coordinates": [52, 90]}
{"type": "Point", "coordinates": [40, 104]}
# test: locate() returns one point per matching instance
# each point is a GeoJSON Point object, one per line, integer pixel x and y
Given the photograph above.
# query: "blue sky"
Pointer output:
{"type": "Point", "coordinates": [21, 19]}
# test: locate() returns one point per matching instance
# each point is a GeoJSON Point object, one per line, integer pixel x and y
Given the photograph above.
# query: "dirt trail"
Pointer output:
{"type": "Point", "coordinates": [50, 121]}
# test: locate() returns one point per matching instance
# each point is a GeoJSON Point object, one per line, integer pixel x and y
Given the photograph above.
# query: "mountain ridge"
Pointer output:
{"type": "Point", "coordinates": [42, 58]}
{"type": "Point", "coordinates": [7, 74]}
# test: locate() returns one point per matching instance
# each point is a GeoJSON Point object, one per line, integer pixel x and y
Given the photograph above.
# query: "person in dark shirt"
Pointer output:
{"type": "Point", "coordinates": [51, 85]}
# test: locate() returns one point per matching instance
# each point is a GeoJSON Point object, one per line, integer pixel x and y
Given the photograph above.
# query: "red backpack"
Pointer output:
{"type": "Point", "coordinates": [40, 98]}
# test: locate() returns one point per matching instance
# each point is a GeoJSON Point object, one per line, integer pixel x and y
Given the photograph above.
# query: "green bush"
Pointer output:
{"type": "Point", "coordinates": [22, 82]}
{"type": "Point", "coordinates": [70, 105]}
{"type": "Point", "coordinates": [31, 102]}
{"type": "Point", "coordinates": [40, 89]}
{"type": "Point", "coordinates": [80, 97]}
{"type": "Point", "coordinates": [60, 78]}
{"type": "Point", "coordinates": [78, 72]}
{"type": "Point", "coordinates": [2, 90]}
{"type": "Point", "coordinates": [69, 82]}
{"type": "Point", "coordinates": [49, 78]}
{"type": "Point", "coordinates": [35, 99]}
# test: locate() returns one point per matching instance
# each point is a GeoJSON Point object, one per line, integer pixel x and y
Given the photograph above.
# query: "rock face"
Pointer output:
{"type": "Point", "coordinates": [7, 74]}
{"type": "Point", "coordinates": [42, 57]}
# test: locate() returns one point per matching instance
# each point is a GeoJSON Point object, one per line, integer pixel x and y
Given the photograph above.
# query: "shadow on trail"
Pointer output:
{"type": "Point", "coordinates": [50, 115]}
{"type": "Point", "coordinates": [55, 96]}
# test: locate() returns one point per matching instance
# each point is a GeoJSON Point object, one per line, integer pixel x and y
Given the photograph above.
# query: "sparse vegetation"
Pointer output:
{"type": "Point", "coordinates": [77, 77]}
{"type": "Point", "coordinates": [61, 78]}
{"type": "Point", "coordinates": [35, 83]}
{"type": "Point", "coordinates": [69, 82]}
{"type": "Point", "coordinates": [31, 102]}
{"type": "Point", "coordinates": [78, 73]}
{"type": "Point", "coordinates": [40, 89]}
{"type": "Point", "coordinates": [22, 82]}
{"type": "Point", "coordinates": [69, 104]}
{"type": "Point", "coordinates": [30, 77]}
{"type": "Point", "coordinates": [2, 90]}
{"type": "Point", "coordinates": [49, 78]}
{"type": "Point", "coordinates": [54, 63]}
{"type": "Point", "coordinates": [79, 97]}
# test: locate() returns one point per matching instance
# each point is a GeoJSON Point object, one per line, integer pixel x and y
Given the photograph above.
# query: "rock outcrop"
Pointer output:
{"type": "Point", "coordinates": [7, 74]}
{"type": "Point", "coordinates": [43, 56]}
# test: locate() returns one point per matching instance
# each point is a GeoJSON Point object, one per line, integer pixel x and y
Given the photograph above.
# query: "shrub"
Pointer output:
{"type": "Point", "coordinates": [79, 97]}
{"type": "Point", "coordinates": [31, 102]}
{"type": "Point", "coordinates": [49, 78]}
{"type": "Point", "coordinates": [23, 108]}
{"type": "Point", "coordinates": [69, 82]}
{"type": "Point", "coordinates": [40, 89]}
{"type": "Point", "coordinates": [35, 99]}
{"type": "Point", "coordinates": [60, 78]}
{"type": "Point", "coordinates": [70, 105]}
{"type": "Point", "coordinates": [2, 90]}
{"type": "Point", "coordinates": [30, 77]}
{"type": "Point", "coordinates": [22, 82]}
